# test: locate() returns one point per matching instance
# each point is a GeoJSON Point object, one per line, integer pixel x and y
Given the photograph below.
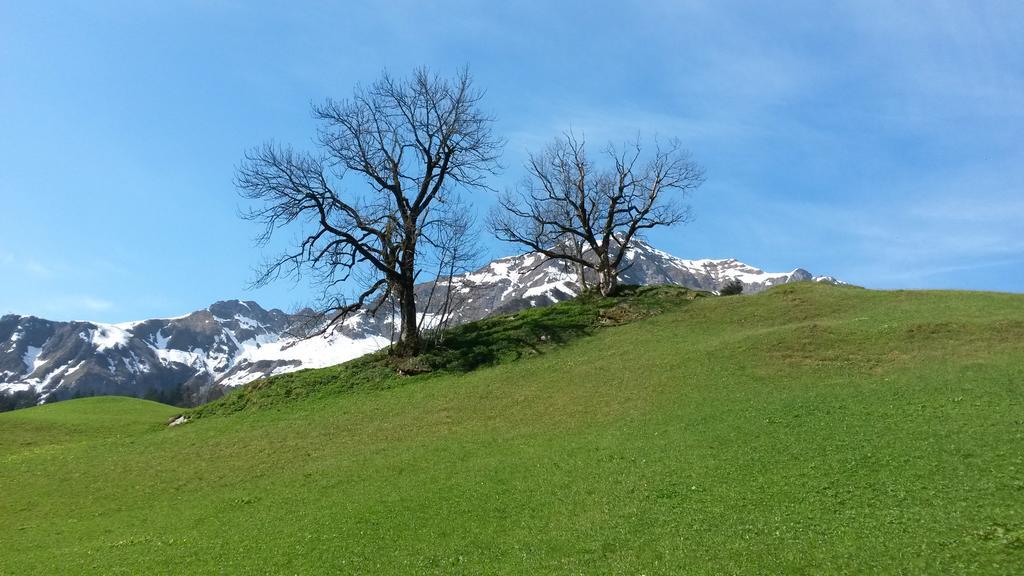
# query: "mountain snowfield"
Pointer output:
{"type": "Point", "coordinates": [196, 357]}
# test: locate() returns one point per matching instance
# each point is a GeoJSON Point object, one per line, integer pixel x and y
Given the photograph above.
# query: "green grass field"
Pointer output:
{"type": "Point", "coordinates": [810, 429]}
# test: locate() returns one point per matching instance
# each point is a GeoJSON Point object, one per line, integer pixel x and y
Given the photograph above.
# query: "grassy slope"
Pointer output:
{"type": "Point", "coordinates": [809, 429]}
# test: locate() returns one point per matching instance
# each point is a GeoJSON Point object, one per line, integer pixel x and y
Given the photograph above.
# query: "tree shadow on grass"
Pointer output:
{"type": "Point", "coordinates": [530, 332]}
{"type": "Point", "coordinates": [508, 338]}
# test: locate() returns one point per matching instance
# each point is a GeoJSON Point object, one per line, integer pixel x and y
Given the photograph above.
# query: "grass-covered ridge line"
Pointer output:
{"type": "Point", "coordinates": [83, 420]}
{"type": "Point", "coordinates": [488, 342]}
{"type": "Point", "coordinates": [811, 429]}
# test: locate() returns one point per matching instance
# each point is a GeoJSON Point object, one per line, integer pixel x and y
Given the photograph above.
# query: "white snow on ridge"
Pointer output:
{"type": "Point", "coordinates": [495, 272]}
{"type": "Point", "coordinates": [40, 384]}
{"type": "Point", "coordinates": [122, 325]}
{"type": "Point", "coordinates": [750, 275]}
{"type": "Point", "coordinates": [315, 352]}
{"type": "Point", "coordinates": [246, 322]}
{"type": "Point", "coordinates": [31, 358]}
{"type": "Point", "coordinates": [160, 341]}
{"type": "Point", "coordinates": [427, 320]}
{"type": "Point", "coordinates": [107, 336]}
{"type": "Point", "coordinates": [133, 323]}
{"type": "Point", "coordinates": [562, 285]}
{"type": "Point", "coordinates": [513, 269]}
{"type": "Point", "coordinates": [11, 387]}
{"type": "Point", "coordinates": [196, 357]}
{"type": "Point", "coordinates": [718, 269]}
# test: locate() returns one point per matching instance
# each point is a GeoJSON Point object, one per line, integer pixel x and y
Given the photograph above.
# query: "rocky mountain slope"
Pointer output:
{"type": "Point", "coordinates": [193, 358]}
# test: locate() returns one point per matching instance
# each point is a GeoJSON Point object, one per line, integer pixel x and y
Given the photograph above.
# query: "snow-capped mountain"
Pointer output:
{"type": "Point", "coordinates": [182, 360]}
{"type": "Point", "coordinates": [193, 358]}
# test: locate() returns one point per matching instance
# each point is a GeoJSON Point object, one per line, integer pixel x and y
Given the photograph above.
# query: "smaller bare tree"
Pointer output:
{"type": "Point", "coordinates": [568, 209]}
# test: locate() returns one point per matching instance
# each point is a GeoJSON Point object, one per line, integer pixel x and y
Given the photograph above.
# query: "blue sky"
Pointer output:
{"type": "Point", "coordinates": [879, 142]}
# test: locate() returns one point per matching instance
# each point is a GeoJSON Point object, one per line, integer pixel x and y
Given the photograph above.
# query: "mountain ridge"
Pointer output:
{"type": "Point", "coordinates": [196, 357]}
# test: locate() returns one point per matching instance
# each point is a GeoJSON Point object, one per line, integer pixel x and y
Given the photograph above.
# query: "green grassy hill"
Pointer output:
{"type": "Point", "coordinates": [810, 429]}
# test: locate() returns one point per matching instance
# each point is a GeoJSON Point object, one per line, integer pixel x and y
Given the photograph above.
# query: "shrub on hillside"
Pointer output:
{"type": "Point", "coordinates": [732, 288]}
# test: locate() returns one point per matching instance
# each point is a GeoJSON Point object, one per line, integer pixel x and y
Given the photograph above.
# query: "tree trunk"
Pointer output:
{"type": "Point", "coordinates": [581, 276]}
{"type": "Point", "coordinates": [581, 271]}
{"type": "Point", "coordinates": [409, 337]}
{"type": "Point", "coordinates": [609, 280]}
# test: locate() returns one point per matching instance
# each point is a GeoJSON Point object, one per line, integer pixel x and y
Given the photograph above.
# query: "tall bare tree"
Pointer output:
{"type": "Point", "coordinates": [572, 210]}
{"type": "Point", "coordinates": [372, 200]}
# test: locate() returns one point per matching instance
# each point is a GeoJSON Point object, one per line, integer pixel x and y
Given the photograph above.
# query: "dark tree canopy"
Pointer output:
{"type": "Point", "coordinates": [733, 287]}
{"type": "Point", "coordinates": [573, 210]}
{"type": "Point", "coordinates": [380, 193]}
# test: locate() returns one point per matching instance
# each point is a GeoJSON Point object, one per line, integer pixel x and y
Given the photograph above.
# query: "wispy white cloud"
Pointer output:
{"type": "Point", "coordinates": [26, 265]}
{"type": "Point", "coordinates": [49, 293]}
{"type": "Point", "coordinates": [37, 268]}
{"type": "Point", "coordinates": [73, 306]}
{"type": "Point", "coordinates": [956, 53]}
{"type": "Point", "coordinates": [903, 242]}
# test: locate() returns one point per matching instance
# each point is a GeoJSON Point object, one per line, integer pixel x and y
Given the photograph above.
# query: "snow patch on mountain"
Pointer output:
{"type": "Point", "coordinates": [31, 358]}
{"type": "Point", "coordinates": [287, 354]}
{"type": "Point", "coordinates": [107, 336]}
